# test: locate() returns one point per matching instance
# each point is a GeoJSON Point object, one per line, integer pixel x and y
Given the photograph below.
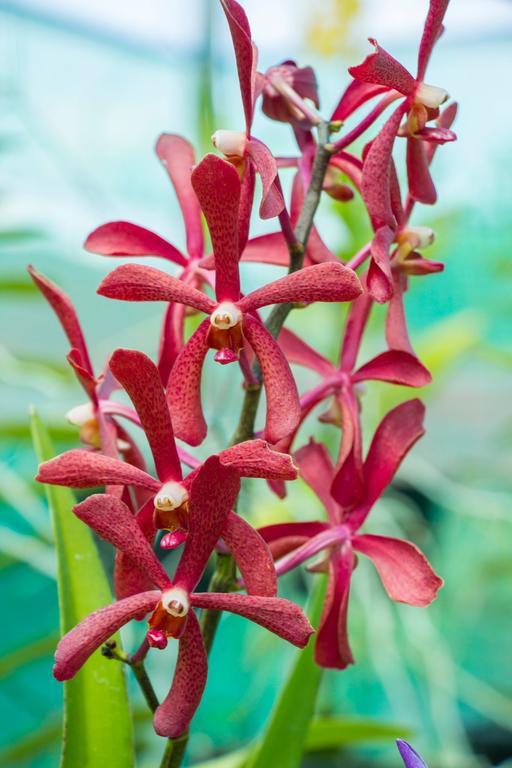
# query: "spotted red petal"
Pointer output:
{"type": "Point", "coordinates": [75, 648]}
{"type": "Point", "coordinates": [267, 249]}
{"type": "Point", "coordinates": [380, 68]}
{"type": "Point", "coordinates": [432, 29]}
{"type": "Point", "coordinates": [252, 556]}
{"type": "Point", "coordinates": [66, 314]}
{"type": "Point", "coordinates": [255, 458]}
{"type": "Point", "coordinates": [246, 55]}
{"type": "Point", "coordinates": [135, 282]}
{"type": "Point", "coordinates": [282, 617]}
{"type": "Point", "coordinates": [113, 521]}
{"type": "Point", "coordinates": [272, 202]}
{"type": "Point", "coordinates": [84, 376]}
{"type": "Point", "coordinates": [395, 366]}
{"type": "Point", "coordinates": [348, 485]}
{"type": "Point", "coordinates": [171, 339]}
{"type": "Point", "coordinates": [138, 375]}
{"type": "Point", "coordinates": [122, 238]}
{"type": "Point", "coordinates": [332, 649]}
{"type": "Point", "coordinates": [300, 353]}
{"type": "Point", "coordinates": [317, 469]}
{"type": "Point", "coordinates": [283, 407]}
{"type": "Point", "coordinates": [321, 282]}
{"type": "Point", "coordinates": [356, 322]}
{"type": "Point", "coordinates": [178, 157]}
{"type": "Point", "coordinates": [405, 572]}
{"type": "Point", "coordinates": [357, 94]}
{"type": "Point", "coordinates": [379, 280]}
{"type": "Point", "coordinates": [217, 186]}
{"type": "Point", "coordinates": [421, 186]}
{"type": "Point", "coordinates": [84, 469]}
{"type": "Point", "coordinates": [184, 388]}
{"type": "Point", "coordinates": [396, 325]}
{"type": "Point", "coordinates": [212, 495]}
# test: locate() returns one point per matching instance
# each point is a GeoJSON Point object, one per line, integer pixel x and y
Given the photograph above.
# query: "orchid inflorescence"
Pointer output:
{"type": "Point", "coordinates": [196, 509]}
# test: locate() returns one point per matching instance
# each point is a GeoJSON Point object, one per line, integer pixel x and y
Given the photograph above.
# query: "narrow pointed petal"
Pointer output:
{"type": "Point", "coordinates": [75, 648]}
{"type": "Point", "coordinates": [394, 438]}
{"type": "Point", "coordinates": [184, 388]}
{"type": "Point", "coordinates": [171, 339]}
{"type": "Point", "coordinates": [421, 186]}
{"type": "Point", "coordinates": [285, 537]}
{"type": "Point", "coordinates": [246, 204]}
{"type": "Point", "coordinates": [84, 469]}
{"type": "Point", "coordinates": [267, 249]}
{"type": "Point", "coordinates": [173, 716]}
{"type": "Point", "coordinates": [354, 327]}
{"type": "Point", "coordinates": [395, 195]}
{"type": "Point", "coordinates": [252, 556]}
{"type": "Point", "coordinates": [332, 536]}
{"type": "Point", "coordinates": [332, 649]}
{"type": "Point", "coordinates": [379, 280]}
{"type": "Point", "coordinates": [405, 572]}
{"type": "Point", "coordinates": [113, 521]}
{"type": "Point", "coordinates": [348, 485]}
{"type": "Point", "coordinates": [321, 282]}
{"type": "Point", "coordinates": [396, 324]}
{"type": "Point", "coordinates": [217, 186]}
{"type": "Point", "coordinates": [432, 30]}
{"type": "Point", "coordinates": [357, 94]}
{"type": "Point", "coordinates": [255, 458]}
{"type": "Point", "coordinates": [211, 497]}
{"type": "Point", "coordinates": [409, 755]}
{"type": "Point", "coordinates": [122, 238]}
{"type": "Point", "coordinates": [394, 366]}
{"type": "Point", "coordinates": [375, 186]}
{"type": "Point", "coordinates": [245, 53]}
{"type": "Point", "coordinates": [282, 617]}
{"type": "Point", "coordinates": [300, 353]}
{"type": "Point", "coordinates": [444, 123]}
{"type": "Point", "coordinates": [178, 157]}
{"type": "Point", "coordinates": [84, 376]}
{"type": "Point", "coordinates": [135, 282]}
{"type": "Point", "coordinates": [66, 314]}
{"type": "Point", "coordinates": [272, 202]}
{"type": "Point", "coordinates": [380, 68]}
{"type": "Point", "coordinates": [317, 469]}
{"type": "Point", "coordinates": [283, 407]}
{"type": "Point", "coordinates": [139, 376]}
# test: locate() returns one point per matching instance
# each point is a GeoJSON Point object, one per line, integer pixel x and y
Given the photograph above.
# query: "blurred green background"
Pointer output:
{"type": "Point", "coordinates": [85, 91]}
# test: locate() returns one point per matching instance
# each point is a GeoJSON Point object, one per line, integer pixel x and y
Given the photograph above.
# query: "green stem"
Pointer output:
{"type": "Point", "coordinates": [223, 580]}
{"type": "Point", "coordinates": [110, 651]}
{"type": "Point", "coordinates": [174, 752]}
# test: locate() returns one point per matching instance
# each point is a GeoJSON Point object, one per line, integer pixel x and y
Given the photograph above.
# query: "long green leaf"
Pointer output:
{"type": "Point", "coordinates": [97, 720]}
{"type": "Point", "coordinates": [284, 739]}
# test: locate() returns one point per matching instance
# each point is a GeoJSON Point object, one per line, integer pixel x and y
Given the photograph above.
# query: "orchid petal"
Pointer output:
{"type": "Point", "coordinates": [178, 157]}
{"type": "Point", "coordinates": [140, 378]}
{"type": "Point", "coordinates": [380, 68]}
{"type": "Point", "coordinates": [317, 470]}
{"type": "Point", "coordinates": [283, 407]}
{"type": "Point", "coordinates": [122, 238]}
{"type": "Point", "coordinates": [357, 94]}
{"type": "Point", "coordinates": [135, 282]}
{"type": "Point", "coordinates": [444, 123]}
{"type": "Point", "coordinates": [284, 537]}
{"type": "Point", "coordinates": [272, 202]}
{"type": "Point", "coordinates": [255, 458]}
{"type": "Point", "coordinates": [282, 617]}
{"type": "Point", "coordinates": [173, 716]}
{"type": "Point", "coordinates": [321, 282]}
{"type": "Point", "coordinates": [332, 649]}
{"type": "Point", "coordinates": [66, 314]}
{"type": "Point", "coordinates": [217, 186]}
{"type": "Point", "coordinates": [375, 185]}
{"type": "Point", "coordinates": [171, 339]}
{"type": "Point", "coordinates": [75, 648]}
{"type": "Point", "coordinates": [84, 469]}
{"type": "Point", "coordinates": [252, 556]}
{"type": "Point", "coordinates": [396, 325]}
{"type": "Point", "coordinates": [212, 495]}
{"type": "Point", "coordinates": [113, 521]}
{"type": "Point", "coordinates": [267, 249]}
{"type": "Point", "coordinates": [84, 376]}
{"type": "Point", "coordinates": [421, 186]}
{"type": "Point", "coordinates": [246, 203]}
{"type": "Point", "coordinates": [332, 536]}
{"type": "Point", "coordinates": [128, 579]}
{"type": "Point", "coordinates": [246, 55]}
{"type": "Point", "coordinates": [395, 366]}
{"type": "Point", "coordinates": [347, 486]}
{"type": "Point", "coordinates": [405, 572]}
{"type": "Point", "coordinates": [379, 279]}
{"type": "Point", "coordinates": [431, 32]}
{"type": "Point", "coordinates": [300, 353]}
{"type": "Point", "coordinates": [184, 388]}
{"type": "Point", "coordinates": [354, 327]}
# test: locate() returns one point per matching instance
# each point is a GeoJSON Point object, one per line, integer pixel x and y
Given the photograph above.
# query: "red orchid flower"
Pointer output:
{"type": "Point", "coordinates": [98, 427]}
{"type": "Point", "coordinates": [168, 503]}
{"type": "Point", "coordinates": [405, 573]}
{"type": "Point", "coordinates": [342, 383]}
{"type": "Point", "coordinates": [122, 238]}
{"type": "Point", "coordinates": [231, 319]}
{"type": "Point", "coordinates": [248, 154]}
{"type": "Point", "coordinates": [171, 605]}
{"type": "Point", "coordinates": [284, 89]}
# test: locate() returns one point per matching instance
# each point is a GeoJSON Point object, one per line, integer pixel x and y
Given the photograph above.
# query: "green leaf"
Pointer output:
{"type": "Point", "coordinates": [97, 720]}
{"type": "Point", "coordinates": [284, 739]}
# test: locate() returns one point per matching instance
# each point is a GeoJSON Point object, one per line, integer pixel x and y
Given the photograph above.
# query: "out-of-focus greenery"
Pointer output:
{"type": "Point", "coordinates": [77, 151]}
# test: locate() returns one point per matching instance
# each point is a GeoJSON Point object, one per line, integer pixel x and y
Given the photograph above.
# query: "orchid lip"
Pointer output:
{"type": "Point", "coordinates": [176, 602]}
{"type": "Point", "coordinates": [170, 496]}
{"type": "Point", "coordinates": [225, 316]}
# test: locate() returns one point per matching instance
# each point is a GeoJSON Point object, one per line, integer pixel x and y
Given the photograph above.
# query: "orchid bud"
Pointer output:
{"type": "Point", "coordinates": [335, 188]}
{"type": "Point", "coordinates": [290, 94]}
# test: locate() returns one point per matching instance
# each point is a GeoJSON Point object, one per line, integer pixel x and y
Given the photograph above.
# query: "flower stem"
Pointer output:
{"type": "Point", "coordinates": [136, 662]}
{"type": "Point", "coordinates": [174, 751]}
{"type": "Point", "coordinates": [223, 580]}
